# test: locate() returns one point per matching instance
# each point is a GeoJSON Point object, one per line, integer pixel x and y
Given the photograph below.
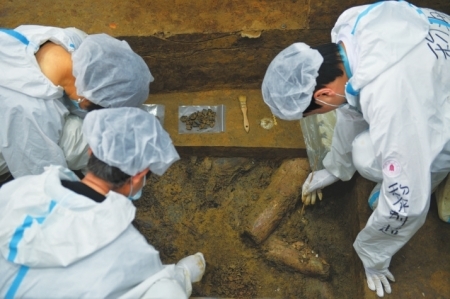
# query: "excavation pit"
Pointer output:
{"type": "Point", "coordinates": [204, 53]}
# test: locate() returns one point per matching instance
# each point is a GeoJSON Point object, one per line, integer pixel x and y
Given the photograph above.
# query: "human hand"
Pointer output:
{"type": "Point", "coordinates": [194, 265]}
{"type": "Point", "coordinates": [377, 280]}
{"type": "Point", "coordinates": [314, 183]}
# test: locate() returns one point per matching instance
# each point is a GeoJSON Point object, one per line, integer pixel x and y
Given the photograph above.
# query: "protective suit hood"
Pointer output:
{"type": "Point", "coordinates": [69, 38]}
{"type": "Point", "coordinates": [381, 43]}
{"type": "Point", "coordinates": [43, 224]}
{"type": "Point", "coordinates": [22, 62]}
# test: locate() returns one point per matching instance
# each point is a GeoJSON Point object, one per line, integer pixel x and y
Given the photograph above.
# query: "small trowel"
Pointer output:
{"type": "Point", "coordinates": [243, 101]}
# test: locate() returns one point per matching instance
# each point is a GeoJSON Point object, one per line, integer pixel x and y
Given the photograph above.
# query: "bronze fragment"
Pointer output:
{"type": "Point", "coordinates": [203, 119]}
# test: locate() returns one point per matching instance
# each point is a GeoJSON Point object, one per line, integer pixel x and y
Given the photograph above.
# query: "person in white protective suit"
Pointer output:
{"type": "Point", "coordinates": [65, 238]}
{"type": "Point", "coordinates": [387, 74]}
{"type": "Point", "coordinates": [49, 73]}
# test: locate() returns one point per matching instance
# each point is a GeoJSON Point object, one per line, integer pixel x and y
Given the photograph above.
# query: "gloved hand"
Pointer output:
{"type": "Point", "coordinates": [376, 280]}
{"type": "Point", "coordinates": [314, 183]}
{"type": "Point", "coordinates": [194, 266]}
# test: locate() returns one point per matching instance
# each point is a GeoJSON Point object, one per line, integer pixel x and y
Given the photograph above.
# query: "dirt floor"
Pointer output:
{"type": "Point", "coordinates": [203, 204]}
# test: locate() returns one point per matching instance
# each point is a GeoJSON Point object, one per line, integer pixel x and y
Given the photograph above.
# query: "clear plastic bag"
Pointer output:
{"type": "Point", "coordinates": [318, 133]}
{"type": "Point", "coordinates": [443, 199]}
{"type": "Point", "coordinates": [3, 167]}
{"type": "Point", "coordinates": [73, 144]}
{"type": "Point", "coordinates": [156, 110]}
{"type": "Point", "coordinates": [201, 119]}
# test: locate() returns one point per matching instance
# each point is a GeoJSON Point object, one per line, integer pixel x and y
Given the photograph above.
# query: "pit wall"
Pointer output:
{"type": "Point", "coordinates": [196, 45]}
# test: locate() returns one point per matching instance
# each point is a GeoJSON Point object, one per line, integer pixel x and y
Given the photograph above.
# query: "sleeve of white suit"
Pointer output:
{"type": "Point", "coordinates": [174, 281]}
{"type": "Point", "coordinates": [349, 123]}
{"type": "Point", "coordinates": [171, 282]}
{"type": "Point", "coordinates": [29, 133]}
{"type": "Point", "coordinates": [398, 121]}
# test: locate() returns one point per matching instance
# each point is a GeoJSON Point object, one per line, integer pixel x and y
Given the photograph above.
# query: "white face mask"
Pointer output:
{"type": "Point", "coordinates": [332, 105]}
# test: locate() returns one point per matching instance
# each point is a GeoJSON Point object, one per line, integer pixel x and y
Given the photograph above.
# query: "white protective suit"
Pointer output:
{"type": "Point", "coordinates": [33, 109]}
{"type": "Point", "coordinates": [400, 59]}
{"type": "Point", "coordinates": [55, 243]}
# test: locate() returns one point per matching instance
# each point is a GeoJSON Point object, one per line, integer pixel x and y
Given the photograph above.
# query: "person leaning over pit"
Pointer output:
{"type": "Point", "coordinates": [386, 73]}
{"type": "Point", "coordinates": [49, 73]}
{"type": "Point", "coordinates": [67, 238]}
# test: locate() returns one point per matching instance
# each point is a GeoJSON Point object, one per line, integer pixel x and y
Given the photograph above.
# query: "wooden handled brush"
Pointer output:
{"type": "Point", "coordinates": [243, 101]}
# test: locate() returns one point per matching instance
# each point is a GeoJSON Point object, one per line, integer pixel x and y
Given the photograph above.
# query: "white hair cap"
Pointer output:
{"type": "Point", "coordinates": [129, 139]}
{"type": "Point", "coordinates": [109, 73]}
{"type": "Point", "coordinates": [290, 80]}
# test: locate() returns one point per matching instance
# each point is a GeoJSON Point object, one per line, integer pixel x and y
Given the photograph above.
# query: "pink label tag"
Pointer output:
{"type": "Point", "coordinates": [392, 168]}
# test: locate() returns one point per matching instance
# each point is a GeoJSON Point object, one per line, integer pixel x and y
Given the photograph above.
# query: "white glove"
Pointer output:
{"type": "Point", "coordinates": [314, 183]}
{"type": "Point", "coordinates": [376, 280]}
{"type": "Point", "coordinates": [194, 266]}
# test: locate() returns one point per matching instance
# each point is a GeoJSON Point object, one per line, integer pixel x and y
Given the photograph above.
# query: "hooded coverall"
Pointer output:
{"type": "Point", "coordinates": [399, 91]}
{"type": "Point", "coordinates": [55, 243]}
{"type": "Point", "coordinates": [33, 109]}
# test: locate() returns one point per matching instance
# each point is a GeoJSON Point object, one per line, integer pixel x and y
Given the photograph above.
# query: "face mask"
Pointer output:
{"type": "Point", "coordinates": [76, 103]}
{"type": "Point", "coordinates": [332, 105]}
{"type": "Point", "coordinates": [138, 194]}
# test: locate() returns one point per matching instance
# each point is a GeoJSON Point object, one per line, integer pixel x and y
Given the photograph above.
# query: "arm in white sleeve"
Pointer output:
{"type": "Point", "coordinates": [398, 122]}
{"type": "Point", "coordinates": [165, 288]}
{"type": "Point", "coordinates": [29, 134]}
{"type": "Point", "coordinates": [176, 281]}
{"type": "Point", "coordinates": [171, 282]}
{"type": "Point", "coordinates": [349, 123]}
{"type": "Point", "coordinates": [176, 284]}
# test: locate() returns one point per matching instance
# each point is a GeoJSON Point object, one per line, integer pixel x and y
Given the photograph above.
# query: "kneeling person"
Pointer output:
{"type": "Point", "coordinates": [61, 237]}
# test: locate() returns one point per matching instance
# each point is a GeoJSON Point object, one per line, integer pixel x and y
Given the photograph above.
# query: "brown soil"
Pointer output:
{"type": "Point", "coordinates": [203, 204]}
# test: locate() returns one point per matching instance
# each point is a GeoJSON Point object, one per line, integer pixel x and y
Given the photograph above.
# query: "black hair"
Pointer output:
{"type": "Point", "coordinates": [328, 71]}
{"type": "Point", "coordinates": [113, 175]}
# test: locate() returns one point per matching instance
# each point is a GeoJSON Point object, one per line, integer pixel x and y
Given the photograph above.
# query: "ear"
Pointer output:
{"type": "Point", "coordinates": [323, 92]}
{"type": "Point", "coordinates": [89, 151]}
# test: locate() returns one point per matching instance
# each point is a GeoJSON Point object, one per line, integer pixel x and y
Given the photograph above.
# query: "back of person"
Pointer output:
{"type": "Point", "coordinates": [65, 238]}
{"type": "Point", "coordinates": [108, 273]}
{"type": "Point", "coordinates": [386, 71]}
{"type": "Point", "coordinates": [110, 256]}
{"type": "Point", "coordinates": [417, 86]}
{"type": "Point", "coordinates": [80, 69]}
